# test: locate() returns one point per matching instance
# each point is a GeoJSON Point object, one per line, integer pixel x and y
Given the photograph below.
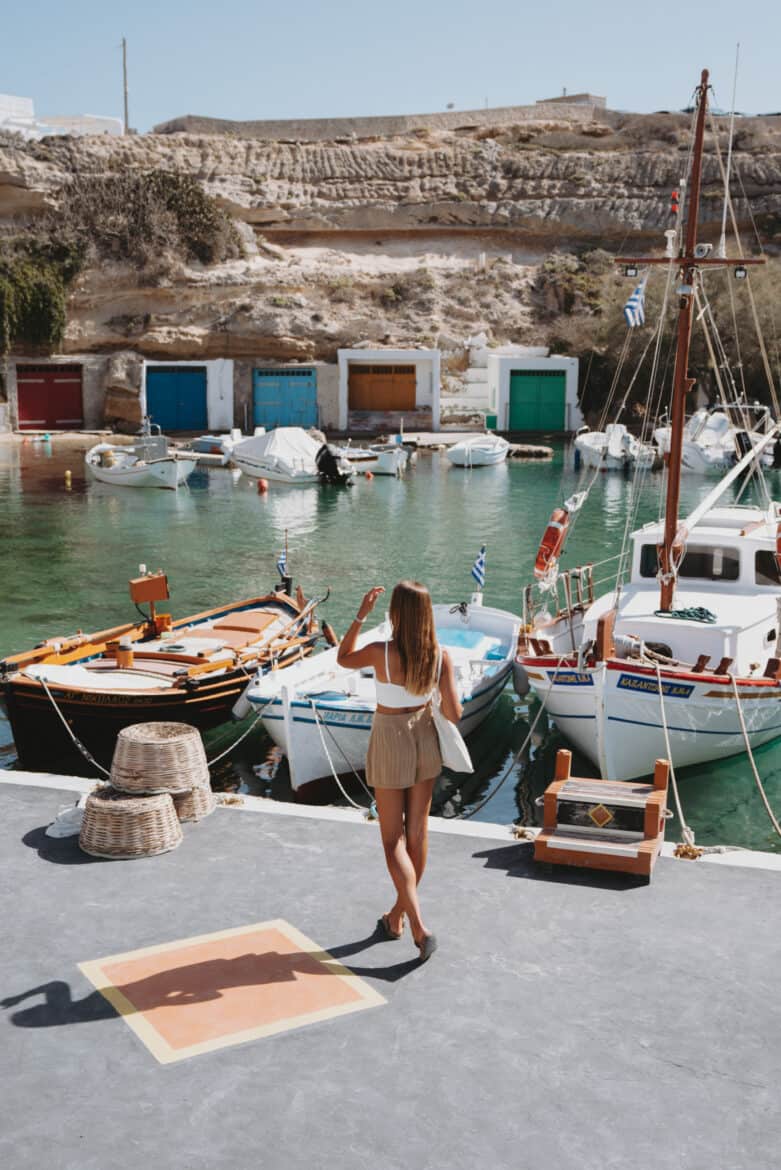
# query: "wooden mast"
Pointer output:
{"type": "Point", "coordinates": [682, 383]}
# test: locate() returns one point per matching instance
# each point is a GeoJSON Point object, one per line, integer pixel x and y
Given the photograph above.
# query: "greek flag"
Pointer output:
{"type": "Point", "coordinates": [478, 568]}
{"type": "Point", "coordinates": [634, 309]}
{"type": "Point", "coordinates": [282, 563]}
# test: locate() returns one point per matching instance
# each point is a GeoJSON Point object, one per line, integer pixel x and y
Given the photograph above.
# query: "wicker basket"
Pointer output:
{"type": "Point", "coordinates": [159, 757]}
{"type": "Point", "coordinates": [195, 804]}
{"type": "Point", "coordinates": [119, 826]}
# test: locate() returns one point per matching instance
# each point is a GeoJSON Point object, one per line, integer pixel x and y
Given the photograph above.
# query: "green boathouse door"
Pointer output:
{"type": "Point", "coordinates": [538, 400]}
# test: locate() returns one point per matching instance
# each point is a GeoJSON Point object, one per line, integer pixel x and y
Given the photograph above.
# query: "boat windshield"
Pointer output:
{"type": "Point", "coordinates": [766, 569]}
{"type": "Point", "coordinates": [707, 564]}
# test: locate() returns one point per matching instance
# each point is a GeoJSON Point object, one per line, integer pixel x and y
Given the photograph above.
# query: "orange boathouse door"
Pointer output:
{"type": "Point", "coordinates": [381, 387]}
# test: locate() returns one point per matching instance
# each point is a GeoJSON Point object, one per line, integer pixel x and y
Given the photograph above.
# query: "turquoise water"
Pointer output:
{"type": "Point", "coordinates": [67, 557]}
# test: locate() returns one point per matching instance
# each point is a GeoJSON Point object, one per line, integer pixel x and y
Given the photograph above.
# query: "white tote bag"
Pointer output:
{"type": "Point", "coordinates": [454, 752]}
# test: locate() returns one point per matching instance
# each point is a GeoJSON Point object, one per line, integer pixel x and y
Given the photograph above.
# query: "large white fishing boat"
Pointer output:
{"type": "Point", "coordinates": [320, 714]}
{"type": "Point", "coordinates": [686, 652]}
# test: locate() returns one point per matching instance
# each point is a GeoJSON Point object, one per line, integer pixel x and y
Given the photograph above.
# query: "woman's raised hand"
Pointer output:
{"type": "Point", "coordinates": [369, 601]}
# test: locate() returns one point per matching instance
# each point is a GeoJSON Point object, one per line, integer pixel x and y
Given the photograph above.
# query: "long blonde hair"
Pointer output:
{"type": "Point", "coordinates": [412, 618]}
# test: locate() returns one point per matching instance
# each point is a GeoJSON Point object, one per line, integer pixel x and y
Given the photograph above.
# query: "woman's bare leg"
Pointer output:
{"type": "Point", "coordinates": [390, 809]}
{"type": "Point", "coordinates": [416, 811]}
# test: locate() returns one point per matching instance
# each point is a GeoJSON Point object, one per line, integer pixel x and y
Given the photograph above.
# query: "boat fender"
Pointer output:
{"type": "Point", "coordinates": [369, 475]}
{"type": "Point", "coordinates": [778, 546]}
{"type": "Point", "coordinates": [242, 707]}
{"type": "Point", "coordinates": [521, 684]}
{"type": "Point", "coordinates": [330, 634]}
{"type": "Point", "coordinates": [262, 487]}
{"type": "Point", "coordinates": [552, 542]}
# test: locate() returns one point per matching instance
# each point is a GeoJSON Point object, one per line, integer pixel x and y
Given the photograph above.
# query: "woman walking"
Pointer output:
{"type": "Point", "coordinates": [403, 759]}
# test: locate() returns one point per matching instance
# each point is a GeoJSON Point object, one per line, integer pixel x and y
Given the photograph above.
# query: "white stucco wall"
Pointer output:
{"type": "Point", "coordinates": [427, 364]}
{"type": "Point", "coordinates": [219, 389]}
{"type": "Point", "coordinates": [499, 369]}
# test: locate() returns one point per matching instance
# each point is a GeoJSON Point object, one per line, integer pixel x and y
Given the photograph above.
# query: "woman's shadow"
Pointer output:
{"type": "Point", "coordinates": [195, 983]}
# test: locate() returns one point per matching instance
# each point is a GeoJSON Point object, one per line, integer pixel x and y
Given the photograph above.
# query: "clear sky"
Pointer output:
{"type": "Point", "coordinates": [304, 58]}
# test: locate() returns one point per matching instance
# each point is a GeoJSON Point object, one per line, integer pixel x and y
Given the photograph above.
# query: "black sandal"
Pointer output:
{"type": "Point", "coordinates": [427, 945]}
{"type": "Point", "coordinates": [384, 925]}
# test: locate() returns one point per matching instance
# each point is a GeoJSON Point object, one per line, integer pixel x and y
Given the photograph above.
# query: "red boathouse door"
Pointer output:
{"type": "Point", "coordinates": [49, 398]}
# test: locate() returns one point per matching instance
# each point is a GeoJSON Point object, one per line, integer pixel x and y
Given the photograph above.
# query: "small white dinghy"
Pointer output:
{"type": "Point", "coordinates": [148, 463]}
{"type": "Point", "coordinates": [613, 449]}
{"type": "Point", "coordinates": [479, 451]}
{"type": "Point", "coordinates": [379, 458]}
{"type": "Point", "coordinates": [287, 455]}
{"type": "Point", "coordinates": [320, 714]}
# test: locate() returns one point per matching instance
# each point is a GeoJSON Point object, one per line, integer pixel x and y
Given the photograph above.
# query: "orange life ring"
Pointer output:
{"type": "Point", "coordinates": [552, 542]}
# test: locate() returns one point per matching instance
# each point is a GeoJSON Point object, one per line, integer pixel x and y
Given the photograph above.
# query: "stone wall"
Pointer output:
{"type": "Point", "coordinates": [383, 126]}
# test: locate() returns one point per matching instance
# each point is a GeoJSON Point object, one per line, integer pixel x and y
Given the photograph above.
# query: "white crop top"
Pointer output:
{"type": "Point", "coordinates": [393, 695]}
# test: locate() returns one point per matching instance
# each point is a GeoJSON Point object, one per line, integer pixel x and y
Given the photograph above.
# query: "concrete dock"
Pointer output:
{"type": "Point", "coordinates": [569, 1019]}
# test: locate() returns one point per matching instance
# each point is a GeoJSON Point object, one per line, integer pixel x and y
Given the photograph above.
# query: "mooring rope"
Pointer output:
{"type": "Point", "coordinates": [334, 773]}
{"type": "Point", "coordinates": [687, 849]}
{"type": "Point", "coordinates": [77, 742]}
{"type": "Point", "coordinates": [465, 816]}
{"type": "Point", "coordinates": [750, 754]}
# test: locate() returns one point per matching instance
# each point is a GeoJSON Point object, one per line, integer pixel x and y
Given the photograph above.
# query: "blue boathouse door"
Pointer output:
{"type": "Point", "coordinates": [176, 397]}
{"type": "Point", "coordinates": [284, 398]}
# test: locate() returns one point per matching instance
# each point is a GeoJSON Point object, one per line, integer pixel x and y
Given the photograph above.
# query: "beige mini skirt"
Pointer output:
{"type": "Point", "coordinates": [403, 749]}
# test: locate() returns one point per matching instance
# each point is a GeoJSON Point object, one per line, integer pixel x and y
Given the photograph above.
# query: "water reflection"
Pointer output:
{"type": "Point", "coordinates": [71, 554]}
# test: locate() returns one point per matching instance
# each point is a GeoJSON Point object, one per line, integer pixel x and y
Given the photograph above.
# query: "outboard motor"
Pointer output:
{"type": "Point", "coordinates": [743, 443]}
{"type": "Point", "coordinates": [328, 465]}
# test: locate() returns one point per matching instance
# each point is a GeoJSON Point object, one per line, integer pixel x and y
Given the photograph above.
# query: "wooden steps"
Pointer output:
{"type": "Point", "coordinates": [603, 824]}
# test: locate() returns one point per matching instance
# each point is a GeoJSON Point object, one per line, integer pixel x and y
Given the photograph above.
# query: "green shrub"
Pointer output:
{"type": "Point", "coordinates": [32, 304]}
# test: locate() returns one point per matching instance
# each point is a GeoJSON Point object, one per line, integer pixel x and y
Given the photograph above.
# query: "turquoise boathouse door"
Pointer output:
{"type": "Point", "coordinates": [284, 398]}
{"type": "Point", "coordinates": [176, 397]}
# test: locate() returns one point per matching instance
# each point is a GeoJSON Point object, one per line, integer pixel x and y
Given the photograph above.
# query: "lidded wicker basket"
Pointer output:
{"type": "Point", "coordinates": [119, 826]}
{"type": "Point", "coordinates": [195, 804]}
{"type": "Point", "coordinates": [159, 757]}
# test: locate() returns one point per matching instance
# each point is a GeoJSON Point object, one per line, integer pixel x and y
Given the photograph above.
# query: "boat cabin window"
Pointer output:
{"type": "Point", "coordinates": [766, 571]}
{"type": "Point", "coordinates": [707, 564]}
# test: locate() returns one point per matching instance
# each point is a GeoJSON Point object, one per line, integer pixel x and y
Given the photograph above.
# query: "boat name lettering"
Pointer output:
{"type": "Point", "coordinates": [631, 682]}
{"type": "Point", "coordinates": [570, 678]}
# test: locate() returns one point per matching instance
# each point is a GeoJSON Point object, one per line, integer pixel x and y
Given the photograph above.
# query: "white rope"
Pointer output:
{"type": "Point", "coordinates": [243, 735]}
{"type": "Point", "coordinates": [466, 815]}
{"type": "Point", "coordinates": [750, 755]}
{"type": "Point", "coordinates": [334, 773]}
{"type": "Point", "coordinates": [686, 832]}
{"type": "Point", "coordinates": [77, 742]}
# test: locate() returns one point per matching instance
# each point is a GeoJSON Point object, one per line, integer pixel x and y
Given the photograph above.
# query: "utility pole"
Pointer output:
{"type": "Point", "coordinates": [124, 81]}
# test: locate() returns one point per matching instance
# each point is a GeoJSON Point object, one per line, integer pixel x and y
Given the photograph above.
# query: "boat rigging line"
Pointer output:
{"type": "Point", "coordinates": [750, 754]}
{"type": "Point", "coordinates": [372, 809]}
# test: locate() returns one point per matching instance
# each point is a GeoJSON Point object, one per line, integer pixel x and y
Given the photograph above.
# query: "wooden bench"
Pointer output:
{"type": "Point", "coordinates": [603, 824]}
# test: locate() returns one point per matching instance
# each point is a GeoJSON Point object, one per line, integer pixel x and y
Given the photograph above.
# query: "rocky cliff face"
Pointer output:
{"type": "Point", "coordinates": [400, 240]}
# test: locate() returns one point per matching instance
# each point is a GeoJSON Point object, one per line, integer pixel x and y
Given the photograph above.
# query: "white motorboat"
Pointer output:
{"type": "Point", "coordinates": [711, 442]}
{"type": "Point", "coordinates": [687, 651]}
{"type": "Point", "coordinates": [221, 445]}
{"type": "Point", "coordinates": [379, 458]}
{"type": "Point", "coordinates": [613, 449]}
{"type": "Point", "coordinates": [287, 455]}
{"type": "Point", "coordinates": [147, 463]}
{"type": "Point", "coordinates": [320, 714]}
{"type": "Point", "coordinates": [479, 451]}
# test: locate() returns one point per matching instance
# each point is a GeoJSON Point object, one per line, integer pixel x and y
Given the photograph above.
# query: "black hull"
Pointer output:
{"type": "Point", "coordinates": [43, 744]}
